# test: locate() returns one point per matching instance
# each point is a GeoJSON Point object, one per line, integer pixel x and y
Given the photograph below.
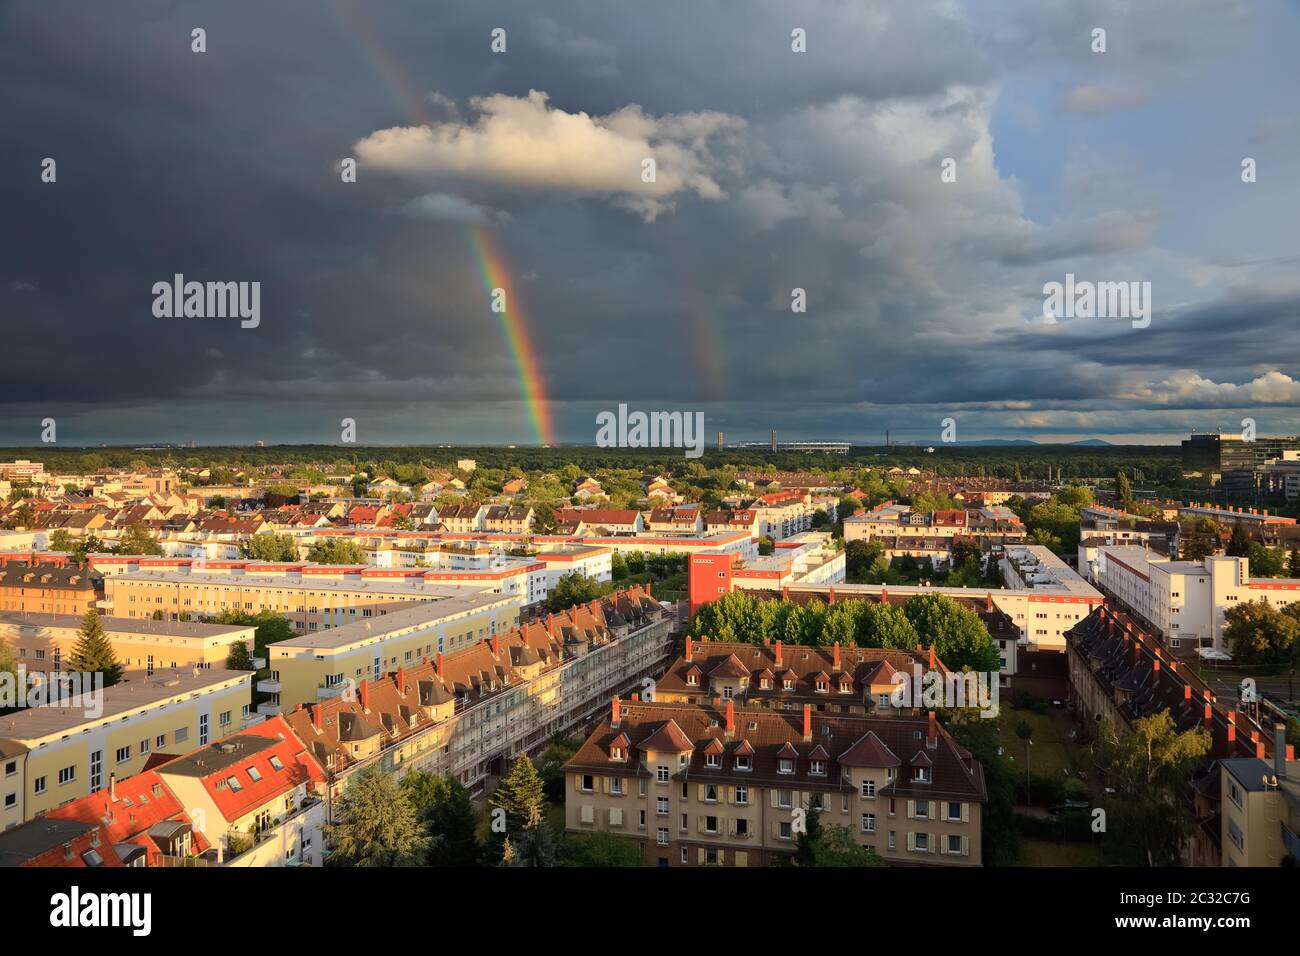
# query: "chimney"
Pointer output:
{"type": "Point", "coordinates": [785, 594]}
{"type": "Point", "coordinates": [365, 694]}
{"type": "Point", "coordinates": [836, 665]}
{"type": "Point", "coordinates": [1280, 750]}
{"type": "Point", "coordinates": [316, 718]}
{"type": "Point", "coordinates": [112, 785]}
{"type": "Point", "coordinates": [731, 717]}
{"type": "Point", "coordinates": [615, 712]}
{"type": "Point", "coordinates": [1232, 726]}
{"type": "Point", "coordinates": [1155, 664]}
{"type": "Point", "coordinates": [932, 663]}
{"type": "Point", "coordinates": [690, 648]}
{"type": "Point", "coordinates": [779, 659]}
{"type": "Point", "coordinates": [1187, 692]}
{"type": "Point", "coordinates": [1209, 714]}
{"type": "Point", "coordinates": [496, 646]}
{"type": "Point", "coordinates": [401, 681]}
{"type": "Point", "coordinates": [932, 731]}
{"type": "Point", "coordinates": [635, 697]}
{"type": "Point", "coordinates": [884, 595]}
{"type": "Point", "coordinates": [550, 624]}
{"type": "Point", "coordinates": [831, 598]}
{"type": "Point", "coordinates": [988, 601]}
{"type": "Point", "coordinates": [807, 723]}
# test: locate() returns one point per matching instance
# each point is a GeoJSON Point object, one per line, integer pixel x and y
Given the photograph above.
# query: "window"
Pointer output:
{"type": "Point", "coordinates": [684, 823]}
{"type": "Point", "coordinates": [921, 842]}
{"type": "Point", "coordinates": [869, 789]}
{"type": "Point", "coordinates": [203, 729]}
{"type": "Point", "coordinates": [588, 782]}
{"type": "Point", "coordinates": [922, 809]}
{"type": "Point", "coordinates": [661, 806]}
{"type": "Point", "coordinates": [686, 856]}
{"type": "Point", "coordinates": [160, 741]}
{"type": "Point", "coordinates": [38, 785]}
{"type": "Point", "coordinates": [661, 774]}
{"type": "Point", "coordinates": [742, 796]}
{"type": "Point", "coordinates": [662, 836]}
{"type": "Point", "coordinates": [785, 799]}
{"type": "Point", "coordinates": [11, 800]}
{"type": "Point", "coordinates": [784, 830]}
{"type": "Point", "coordinates": [144, 746]}
{"type": "Point", "coordinates": [182, 734]}
{"type": "Point", "coordinates": [817, 768]}
{"type": "Point", "coordinates": [742, 827]}
{"type": "Point", "coordinates": [234, 784]}
{"type": "Point", "coordinates": [954, 844]}
{"type": "Point", "coordinates": [744, 763]}
{"type": "Point", "coordinates": [96, 770]}
{"type": "Point", "coordinates": [276, 763]}
{"type": "Point", "coordinates": [123, 754]}
{"type": "Point", "coordinates": [11, 768]}
{"type": "Point", "coordinates": [67, 775]}
{"type": "Point", "coordinates": [710, 824]}
{"type": "Point", "coordinates": [254, 774]}
{"type": "Point", "coordinates": [712, 760]}
{"type": "Point", "coordinates": [892, 840]}
{"type": "Point", "coordinates": [868, 823]}
{"type": "Point", "coordinates": [921, 775]}
{"type": "Point", "coordinates": [785, 766]}
{"type": "Point", "coordinates": [616, 786]}
{"type": "Point", "coordinates": [710, 793]}
{"type": "Point", "coordinates": [954, 811]}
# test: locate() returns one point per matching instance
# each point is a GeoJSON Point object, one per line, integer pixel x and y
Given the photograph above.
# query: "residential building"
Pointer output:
{"type": "Point", "coordinates": [725, 786]}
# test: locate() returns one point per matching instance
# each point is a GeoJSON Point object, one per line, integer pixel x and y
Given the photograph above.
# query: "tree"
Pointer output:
{"type": "Point", "coordinates": [270, 627]}
{"type": "Point", "coordinates": [572, 589]}
{"type": "Point", "coordinates": [8, 662]}
{"type": "Point", "coordinates": [336, 551]}
{"type": "Point", "coordinates": [1149, 767]}
{"type": "Point", "coordinates": [61, 540]}
{"type": "Point", "coordinates": [821, 521]}
{"type": "Point", "coordinates": [553, 760]}
{"type": "Point", "coordinates": [534, 846]}
{"type": "Point", "coordinates": [1265, 562]}
{"type": "Point", "coordinates": [766, 545]}
{"type": "Point", "coordinates": [378, 825]}
{"type": "Point", "coordinates": [443, 806]}
{"type": "Point", "coordinates": [239, 659]}
{"type": "Point", "coordinates": [599, 850]}
{"type": "Point", "coordinates": [838, 848]}
{"type": "Point", "coordinates": [270, 547]}
{"type": "Point", "coordinates": [138, 540]}
{"type": "Point", "coordinates": [617, 567]}
{"type": "Point", "coordinates": [1123, 490]}
{"type": "Point", "coordinates": [93, 652]}
{"type": "Point", "coordinates": [520, 794]}
{"type": "Point", "coordinates": [1258, 633]}
{"type": "Point", "coordinates": [1239, 543]}
{"type": "Point", "coordinates": [957, 633]}
{"type": "Point", "coordinates": [1293, 563]}
{"type": "Point", "coordinates": [805, 851]}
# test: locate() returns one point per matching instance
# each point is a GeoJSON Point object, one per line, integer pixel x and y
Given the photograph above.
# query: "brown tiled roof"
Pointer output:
{"type": "Point", "coordinates": [773, 735]}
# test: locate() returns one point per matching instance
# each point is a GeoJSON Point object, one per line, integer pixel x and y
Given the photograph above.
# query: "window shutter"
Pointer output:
{"type": "Point", "coordinates": [911, 840]}
{"type": "Point", "coordinates": [616, 817]}
{"type": "Point", "coordinates": [911, 809]}
{"type": "Point", "coordinates": [700, 855]}
{"type": "Point", "coordinates": [699, 825]}
{"type": "Point", "coordinates": [931, 842]}
{"type": "Point", "coordinates": [965, 813]}
{"type": "Point", "coordinates": [965, 846]}
{"type": "Point", "coordinates": [604, 784]}
{"type": "Point", "coordinates": [721, 857]}
{"type": "Point", "coordinates": [771, 796]}
{"type": "Point", "coordinates": [577, 782]}
{"type": "Point", "coordinates": [700, 787]}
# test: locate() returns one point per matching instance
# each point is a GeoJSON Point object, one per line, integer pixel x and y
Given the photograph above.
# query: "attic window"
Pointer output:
{"type": "Point", "coordinates": [712, 760]}
{"type": "Point", "coordinates": [753, 725]}
{"type": "Point", "coordinates": [788, 684]}
{"type": "Point", "coordinates": [234, 784]}
{"type": "Point", "coordinates": [921, 775]}
{"type": "Point", "coordinates": [276, 763]}
{"type": "Point", "coordinates": [817, 767]}
{"type": "Point", "coordinates": [743, 762]}
{"type": "Point", "coordinates": [785, 765]}
{"type": "Point", "coordinates": [615, 753]}
{"type": "Point", "coordinates": [693, 679]}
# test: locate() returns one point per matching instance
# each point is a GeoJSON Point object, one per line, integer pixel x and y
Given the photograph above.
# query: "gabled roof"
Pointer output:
{"type": "Point", "coordinates": [668, 737]}
{"type": "Point", "coordinates": [869, 751]}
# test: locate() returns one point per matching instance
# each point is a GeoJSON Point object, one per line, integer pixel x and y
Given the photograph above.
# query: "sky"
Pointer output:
{"type": "Point", "coordinates": [522, 170]}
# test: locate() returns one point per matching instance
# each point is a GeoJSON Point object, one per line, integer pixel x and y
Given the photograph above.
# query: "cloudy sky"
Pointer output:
{"type": "Point", "coordinates": [775, 170]}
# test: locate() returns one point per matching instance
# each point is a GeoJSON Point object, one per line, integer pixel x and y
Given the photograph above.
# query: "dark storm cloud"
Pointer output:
{"type": "Point", "coordinates": [223, 166]}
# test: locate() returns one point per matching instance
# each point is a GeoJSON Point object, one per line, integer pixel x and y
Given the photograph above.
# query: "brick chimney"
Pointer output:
{"type": "Point", "coordinates": [785, 593]}
{"type": "Point", "coordinates": [731, 717]}
{"type": "Point", "coordinates": [988, 601]}
{"type": "Point", "coordinates": [1209, 714]}
{"type": "Point", "coordinates": [807, 723]}
{"type": "Point", "coordinates": [1155, 664]}
{"type": "Point", "coordinates": [1232, 726]}
{"type": "Point", "coordinates": [401, 681]}
{"type": "Point", "coordinates": [112, 786]}
{"type": "Point", "coordinates": [690, 648]}
{"type": "Point", "coordinates": [1187, 692]}
{"type": "Point", "coordinates": [831, 597]}
{"type": "Point", "coordinates": [635, 697]}
{"type": "Point", "coordinates": [550, 624]}
{"type": "Point", "coordinates": [316, 718]}
{"type": "Point", "coordinates": [364, 693]}
{"type": "Point", "coordinates": [932, 731]}
{"type": "Point", "coordinates": [496, 646]}
{"type": "Point", "coordinates": [779, 659]}
{"type": "Point", "coordinates": [932, 663]}
{"type": "Point", "coordinates": [884, 595]}
{"type": "Point", "coordinates": [836, 664]}
{"type": "Point", "coordinates": [615, 713]}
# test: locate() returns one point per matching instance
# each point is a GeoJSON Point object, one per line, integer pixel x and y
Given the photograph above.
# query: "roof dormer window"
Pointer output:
{"type": "Point", "coordinates": [744, 763]}
{"type": "Point", "coordinates": [921, 775]}
{"type": "Point", "coordinates": [693, 679]}
{"type": "Point", "coordinates": [712, 760]}
{"type": "Point", "coordinates": [785, 765]}
{"type": "Point", "coordinates": [787, 684]}
{"type": "Point", "coordinates": [817, 768]}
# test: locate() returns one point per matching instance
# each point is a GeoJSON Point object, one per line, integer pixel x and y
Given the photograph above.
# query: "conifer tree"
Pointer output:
{"type": "Point", "coordinates": [94, 652]}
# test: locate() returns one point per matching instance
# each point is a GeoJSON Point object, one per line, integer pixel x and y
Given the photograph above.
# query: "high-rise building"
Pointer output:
{"type": "Point", "coordinates": [1209, 455]}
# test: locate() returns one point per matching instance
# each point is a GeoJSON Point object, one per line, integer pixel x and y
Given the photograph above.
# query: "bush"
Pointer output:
{"type": "Point", "coordinates": [1074, 825]}
{"type": "Point", "coordinates": [1022, 700]}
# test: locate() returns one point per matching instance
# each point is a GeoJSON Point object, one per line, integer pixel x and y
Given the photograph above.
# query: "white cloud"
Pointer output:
{"type": "Point", "coordinates": [1188, 388]}
{"type": "Point", "coordinates": [525, 143]}
{"type": "Point", "coordinates": [441, 207]}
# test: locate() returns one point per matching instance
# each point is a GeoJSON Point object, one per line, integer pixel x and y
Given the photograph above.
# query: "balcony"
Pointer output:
{"type": "Point", "coordinates": [268, 708]}
{"type": "Point", "coordinates": [268, 686]}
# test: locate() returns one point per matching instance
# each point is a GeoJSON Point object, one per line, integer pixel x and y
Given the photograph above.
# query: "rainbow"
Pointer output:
{"type": "Point", "coordinates": [492, 264]}
{"type": "Point", "coordinates": [496, 275]}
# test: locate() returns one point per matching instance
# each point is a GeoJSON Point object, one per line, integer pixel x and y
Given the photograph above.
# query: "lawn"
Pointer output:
{"type": "Point", "coordinates": [1035, 852]}
{"type": "Point", "coordinates": [1052, 750]}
